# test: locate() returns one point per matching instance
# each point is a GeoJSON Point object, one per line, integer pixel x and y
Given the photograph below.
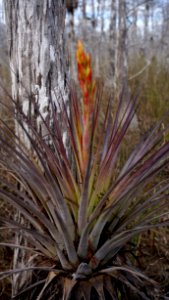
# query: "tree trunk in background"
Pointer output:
{"type": "Point", "coordinates": [93, 9]}
{"type": "Point", "coordinates": [71, 41]}
{"type": "Point", "coordinates": [36, 52]}
{"type": "Point", "coordinates": [113, 43]}
{"type": "Point", "coordinates": [84, 21]}
{"type": "Point", "coordinates": [94, 49]}
{"type": "Point", "coordinates": [99, 41]}
{"type": "Point", "coordinates": [102, 23]}
{"type": "Point", "coordinates": [165, 31]}
{"type": "Point", "coordinates": [146, 27]}
{"type": "Point", "coordinates": [134, 28]}
{"type": "Point", "coordinates": [121, 71]}
{"type": "Point", "coordinates": [84, 8]}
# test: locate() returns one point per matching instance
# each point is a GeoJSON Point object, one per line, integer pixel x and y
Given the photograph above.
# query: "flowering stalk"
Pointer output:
{"type": "Point", "coordinates": [88, 88]}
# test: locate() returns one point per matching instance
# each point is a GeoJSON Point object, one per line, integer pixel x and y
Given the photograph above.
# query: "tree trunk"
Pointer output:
{"type": "Point", "coordinates": [121, 71]}
{"type": "Point", "coordinates": [134, 28]}
{"type": "Point", "coordinates": [36, 52]}
{"type": "Point", "coordinates": [113, 43]}
{"type": "Point", "coordinates": [84, 22]}
{"type": "Point", "coordinates": [71, 45]}
{"type": "Point", "coordinates": [146, 27]}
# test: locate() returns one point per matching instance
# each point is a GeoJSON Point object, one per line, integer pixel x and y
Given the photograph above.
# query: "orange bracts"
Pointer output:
{"type": "Point", "coordinates": [88, 88]}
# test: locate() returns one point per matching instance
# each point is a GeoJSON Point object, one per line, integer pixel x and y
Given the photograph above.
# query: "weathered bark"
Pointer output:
{"type": "Point", "coordinates": [36, 52]}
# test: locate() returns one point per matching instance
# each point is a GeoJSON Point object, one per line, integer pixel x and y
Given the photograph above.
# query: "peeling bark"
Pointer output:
{"type": "Point", "coordinates": [36, 50]}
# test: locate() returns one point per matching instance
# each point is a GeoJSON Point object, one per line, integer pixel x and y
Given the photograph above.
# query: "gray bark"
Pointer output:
{"type": "Point", "coordinates": [36, 50]}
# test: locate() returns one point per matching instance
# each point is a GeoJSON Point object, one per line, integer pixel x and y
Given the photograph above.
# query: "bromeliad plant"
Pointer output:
{"type": "Point", "coordinates": [83, 218]}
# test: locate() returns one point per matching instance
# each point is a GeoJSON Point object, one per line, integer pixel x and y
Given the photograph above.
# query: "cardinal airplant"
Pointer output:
{"type": "Point", "coordinates": [84, 208]}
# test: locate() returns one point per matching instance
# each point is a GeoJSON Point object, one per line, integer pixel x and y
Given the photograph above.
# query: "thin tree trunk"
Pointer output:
{"type": "Point", "coordinates": [135, 19]}
{"type": "Point", "coordinates": [121, 71]}
{"type": "Point", "coordinates": [84, 22]}
{"type": "Point", "coordinates": [71, 5]}
{"type": "Point", "coordinates": [146, 27]}
{"type": "Point", "coordinates": [84, 9]}
{"type": "Point", "coordinates": [113, 43]}
{"type": "Point", "coordinates": [93, 14]}
{"type": "Point", "coordinates": [122, 49]}
{"type": "Point", "coordinates": [102, 24]}
{"type": "Point", "coordinates": [71, 43]}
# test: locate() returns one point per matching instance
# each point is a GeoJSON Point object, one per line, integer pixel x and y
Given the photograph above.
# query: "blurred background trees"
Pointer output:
{"type": "Point", "coordinates": [118, 34]}
{"type": "Point", "coordinates": [129, 44]}
{"type": "Point", "coordinates": [142, 24]}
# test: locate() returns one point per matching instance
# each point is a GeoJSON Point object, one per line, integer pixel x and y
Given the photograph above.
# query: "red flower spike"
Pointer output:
{"type": "Point", "coordinates": [88, 87]}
